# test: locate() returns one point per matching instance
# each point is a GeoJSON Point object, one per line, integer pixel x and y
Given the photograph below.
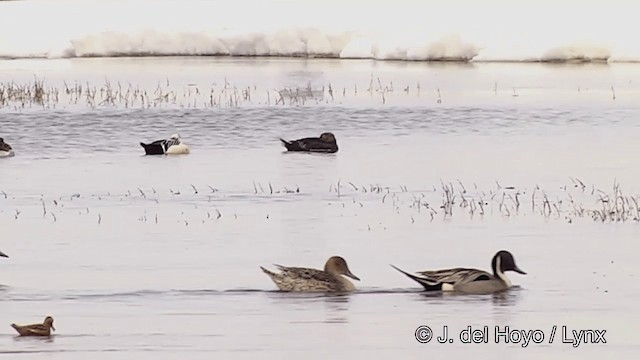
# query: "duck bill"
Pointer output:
{"type": "Point", "coordinates": [349, 274]}
{"type": "Point", "coordinates": [519, 271]}
{"type": "Point", "coordinates": [53, 328]}
{"type": "Point", "coordinates": [3, 254]}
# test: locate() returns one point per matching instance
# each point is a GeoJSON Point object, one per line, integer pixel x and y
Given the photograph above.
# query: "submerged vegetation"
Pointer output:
{"type": "Point", "coordinates": [75, 95]}
{"type": "Point", "coordinates": [445, 201]}
{"type": "Point", "coordinates": [37, 94]}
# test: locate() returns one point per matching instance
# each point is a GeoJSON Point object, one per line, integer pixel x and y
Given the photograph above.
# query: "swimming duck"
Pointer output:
{"type": "Point", "coordinates": [470, 281]}
{"type": "Point", "coordinates": [326, 143]}
{"type": "Point", "coordinates": [43, 329]}
{"type": "Point", "coordinates": [171, 146]}
{"type": "Point", "coordinates": [5, 149]}
{"type": "Point", "coordinates": [311, 280]}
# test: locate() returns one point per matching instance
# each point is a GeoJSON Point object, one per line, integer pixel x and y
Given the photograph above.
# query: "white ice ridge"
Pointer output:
{"type": "Point", "coordinates": [429, 30]}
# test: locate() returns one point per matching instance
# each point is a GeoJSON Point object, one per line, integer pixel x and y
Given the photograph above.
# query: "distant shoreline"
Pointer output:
{"type": "Point", "coordinates": [578, 60]}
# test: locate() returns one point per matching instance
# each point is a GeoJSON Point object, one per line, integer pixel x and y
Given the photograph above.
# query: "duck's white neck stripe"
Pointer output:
{"type": "Point", "coordinates": [500, 274]}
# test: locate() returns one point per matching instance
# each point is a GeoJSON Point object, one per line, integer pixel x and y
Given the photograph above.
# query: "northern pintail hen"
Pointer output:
{"type": "Point", "coordinates": [311, 280]}
{"type": "Point", "coordinates": [326, 143]}
{"type": "Point", "coordinates": [43, 329]}
{"type": "Point", "coordinates": [470, 281]}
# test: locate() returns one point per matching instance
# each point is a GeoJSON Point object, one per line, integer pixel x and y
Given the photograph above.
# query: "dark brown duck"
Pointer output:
{"type": "Point", "coordinates": [5, 149]}
{"type": "Point", "coordinates": [326, 143]}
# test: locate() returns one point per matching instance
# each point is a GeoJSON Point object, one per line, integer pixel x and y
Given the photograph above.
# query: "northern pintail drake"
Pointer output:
{"type": "Point", "coordinates": [311, 280]}
{"type": "Point", "coordinates": [171, 146]}
{"type": "Point", "coordinates": [326, 143]}
{"type": "Point", "coordinates": [5, 149]}
{"type": "Point", "coordinates": [43, 329]}
{"type": "Point", "coordinates": [470, 281]}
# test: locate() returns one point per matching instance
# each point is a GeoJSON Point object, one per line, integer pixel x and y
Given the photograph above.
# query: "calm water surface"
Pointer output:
{"type": "Point", "coordinates": [158, 257]}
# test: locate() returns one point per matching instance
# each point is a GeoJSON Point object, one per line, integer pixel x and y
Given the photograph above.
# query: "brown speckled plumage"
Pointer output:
{"type": "Point", "coordinates": [43, 329]}
{"type": "Point", "coordinates": [311, 280]}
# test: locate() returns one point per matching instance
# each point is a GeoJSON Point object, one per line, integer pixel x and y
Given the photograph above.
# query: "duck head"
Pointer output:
{"type": "Point", "coordinates": [48, 322]}
{"type": "Point", "coordinates": [337, 265]}
{"type": "Point", "coordinates": [503, 261]}
{"type": "Point", "coordinates": [4, 146]}
{"type": "Point", "coordinates": [328, 137]}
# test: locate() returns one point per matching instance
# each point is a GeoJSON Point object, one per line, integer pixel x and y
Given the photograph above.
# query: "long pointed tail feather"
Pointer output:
{"type": "Point", "coordinates": [426, 283]}
{"type": "Point", "coordinates": [268, 272]}
{"type": "Point", "coordinates": [286, 143]}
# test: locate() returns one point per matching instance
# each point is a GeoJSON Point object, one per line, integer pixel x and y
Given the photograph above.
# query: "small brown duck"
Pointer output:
{"type": "Point", "coordinates": [311, 280]}
{"type": "Point", "coordinates": [43, 329]}
{"type": "Point", "coordinates": [326, 143]}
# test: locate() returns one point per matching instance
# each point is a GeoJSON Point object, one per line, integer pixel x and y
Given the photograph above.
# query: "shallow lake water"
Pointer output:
{"type": "Point", "coordinates": [158, 257]}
